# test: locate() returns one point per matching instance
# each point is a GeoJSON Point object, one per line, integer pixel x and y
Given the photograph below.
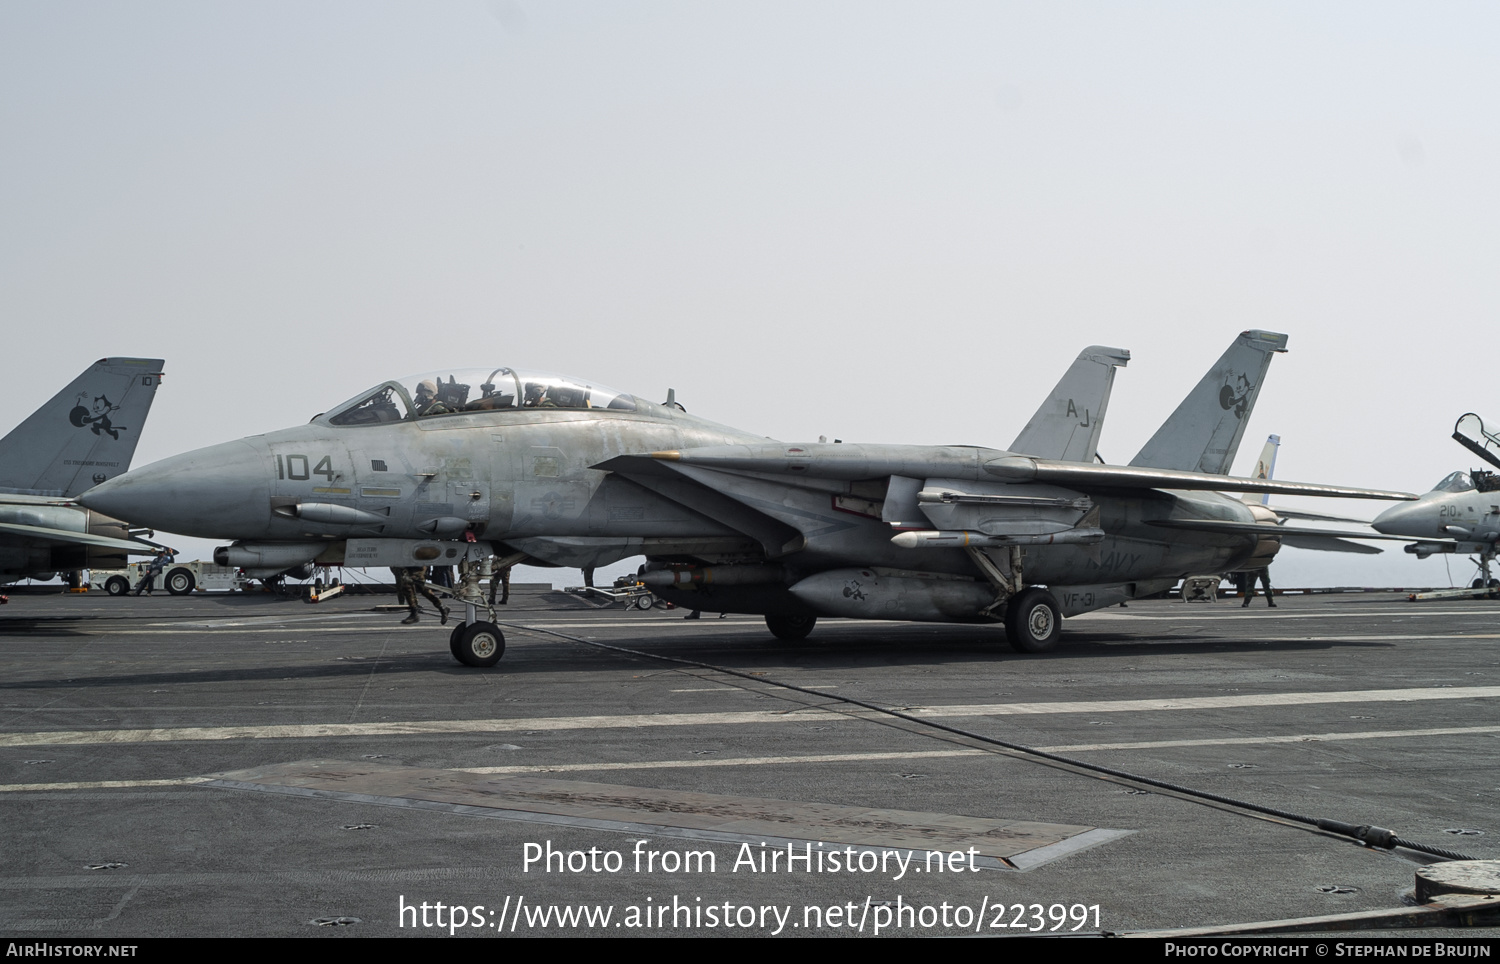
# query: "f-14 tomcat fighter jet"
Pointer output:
{"type": "Point", "coordinates": [453, 468]}
{"type": "Point", "coordinates": [1462, 512]}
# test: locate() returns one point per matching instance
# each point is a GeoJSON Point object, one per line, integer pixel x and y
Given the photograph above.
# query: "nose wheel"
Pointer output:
{"type": "Point", "coordinates": [477, 643]}
{"type": "Point", "coordinates": [474, 642]}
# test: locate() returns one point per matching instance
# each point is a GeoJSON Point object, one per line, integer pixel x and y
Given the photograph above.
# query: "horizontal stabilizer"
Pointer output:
{"type": "Point", "coordinates": [71, 537]}
{"type": "Point", "coordinates": [21, 498]}
{"type": "Point", "coordinates": [1316, 516]}
{"type": "Point", "coordinates": [1328, 544]}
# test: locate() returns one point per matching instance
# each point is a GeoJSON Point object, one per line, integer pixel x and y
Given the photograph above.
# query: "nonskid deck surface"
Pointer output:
{"type": "Point", "coordinates": [159, 740]}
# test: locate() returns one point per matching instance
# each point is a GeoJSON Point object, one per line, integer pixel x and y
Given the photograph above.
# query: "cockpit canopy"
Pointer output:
{"type": "Point", "coordinates": [458, 392]}
{"type": "Point", "coordinates": [1455, 482]}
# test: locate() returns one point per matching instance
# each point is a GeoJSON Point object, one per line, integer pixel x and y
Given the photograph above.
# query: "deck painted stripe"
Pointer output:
{"type": "Point", "coordinates": [824, 758]}
{"type": "Point", "coordinates": [799, 714]}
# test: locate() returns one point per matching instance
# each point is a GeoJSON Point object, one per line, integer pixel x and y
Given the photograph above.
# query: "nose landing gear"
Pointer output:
{"type": "Point", "coordinates": [475, 641]}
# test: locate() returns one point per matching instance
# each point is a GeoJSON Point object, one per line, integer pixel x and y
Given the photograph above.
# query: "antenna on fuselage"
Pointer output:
{"type": "Point", "coordinates": [672, 401]}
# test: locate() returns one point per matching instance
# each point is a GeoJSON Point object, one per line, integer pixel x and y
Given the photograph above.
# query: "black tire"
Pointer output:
{"type": "Point", "coordinates": [479, 644]}
{"type": "Point", "coordinates": [453, 641]}
{"type": "Point", "coordinates": [1477, 584]}
{"type": "Point", "coordinates": [791, 628]}
{"type": "Point", "coordinates": [644, 602]}
{"type": "Point", "coordinates": [1494, 584]}
{"type": "Point", "coordinates": [116, 585]}
{"type": "Point", "coordinates": [1032, 621]}
{"type": "Point", "coordinates": [180, 582]}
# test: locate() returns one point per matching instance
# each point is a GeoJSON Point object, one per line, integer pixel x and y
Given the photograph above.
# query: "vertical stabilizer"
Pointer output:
{"type": "Point", "coordinates": [1204, 433]}
{"type": "Point", "coordinates": [1067, 425]}
{"type": "Point", "coordinates": [87, 433]}
{"type": "Point", "coordinates": [1265, 468]}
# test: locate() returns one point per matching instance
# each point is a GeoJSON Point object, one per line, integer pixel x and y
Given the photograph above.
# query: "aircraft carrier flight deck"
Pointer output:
{"type": "Point", "coordinates": [242, 764]}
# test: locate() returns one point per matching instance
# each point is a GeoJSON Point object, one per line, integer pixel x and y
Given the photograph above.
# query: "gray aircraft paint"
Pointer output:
{"type": "Point", "coordinates": [1468, 520]}
{"type": "Point", "coordinates": [1450, 520]}
{"type": "Point", "coordinates": [580, 486]}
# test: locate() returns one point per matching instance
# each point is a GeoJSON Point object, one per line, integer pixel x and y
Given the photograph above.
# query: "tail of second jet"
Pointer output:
{"type": "Point", "coordinates": [87, 433]}
{"type": "Point", "coordinates": [1204, 433]}
{"type": "Point", "coordinates": [1067, 425]}
{"type": "Point", "coordinates": [1265, 468]}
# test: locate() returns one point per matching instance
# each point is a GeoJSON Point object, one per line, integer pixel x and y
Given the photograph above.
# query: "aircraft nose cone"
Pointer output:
{"type": "Point", "coordinates": [1402, 520]}
{"type": "Point", "coordinates": [220, 491]}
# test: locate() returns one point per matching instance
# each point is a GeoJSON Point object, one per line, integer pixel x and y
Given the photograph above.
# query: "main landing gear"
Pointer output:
{"type": "Point", "coordinates": [1032, 621]}
{"type": "Point", "coordinates": [1485, 580]}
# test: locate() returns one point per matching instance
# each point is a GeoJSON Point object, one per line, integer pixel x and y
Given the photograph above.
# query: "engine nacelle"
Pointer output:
{"type": "Point", "coordinates": [1266, 546]}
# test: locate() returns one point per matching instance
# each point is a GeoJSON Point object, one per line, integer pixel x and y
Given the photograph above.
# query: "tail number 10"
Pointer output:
{"type": "Point", "coordinates": [294, 467]}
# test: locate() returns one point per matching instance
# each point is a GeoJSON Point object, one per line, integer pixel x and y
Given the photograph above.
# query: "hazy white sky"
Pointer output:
{"type": "Point", "coordinates": [876, 221]}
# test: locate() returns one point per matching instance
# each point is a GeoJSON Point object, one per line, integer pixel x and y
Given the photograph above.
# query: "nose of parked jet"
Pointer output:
{"type": "Point", "coordinates": [1407, 519]}
{"type": "Point", "coordinates": [219, 491]}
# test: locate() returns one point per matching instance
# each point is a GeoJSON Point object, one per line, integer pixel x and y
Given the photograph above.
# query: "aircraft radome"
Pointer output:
{"type": "Point", "coordinates": [451, 469]}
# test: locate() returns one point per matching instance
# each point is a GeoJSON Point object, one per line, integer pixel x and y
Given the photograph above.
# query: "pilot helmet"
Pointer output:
{"type": "Point", "coordinates": [427, 387]}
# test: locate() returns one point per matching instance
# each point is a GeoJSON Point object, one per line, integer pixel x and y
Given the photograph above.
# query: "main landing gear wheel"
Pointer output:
{"type": "Point", "coordinates": [477, 644]}
{"type": "Point", "coordinates": [791, 628]}
{"type": "Point", "coordinates": [1032, 621]}
{"type": "Point", "coordinates": [180, 582]}
{"type": "Point", "coordinates": [117, 586]}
